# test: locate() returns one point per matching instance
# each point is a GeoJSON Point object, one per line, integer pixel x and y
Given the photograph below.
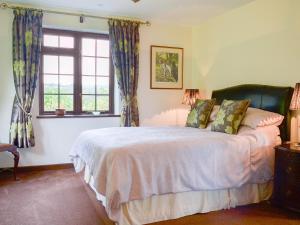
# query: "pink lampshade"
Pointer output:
{"type": "Point", "coordinates": [190, 96]}
{"type": "Point", "coordinates": [295, 103]}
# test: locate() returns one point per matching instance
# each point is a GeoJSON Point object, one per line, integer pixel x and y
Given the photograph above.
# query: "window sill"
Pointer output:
{"type": "Point", "coordinates": [76, 116]}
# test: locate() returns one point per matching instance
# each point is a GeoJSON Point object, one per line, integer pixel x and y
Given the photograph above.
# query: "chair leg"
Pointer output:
{"type": "Point", "coordinates": [16, 162]}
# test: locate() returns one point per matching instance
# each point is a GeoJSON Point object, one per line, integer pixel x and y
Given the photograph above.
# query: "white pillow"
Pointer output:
{"type": "Point", "coordinates": [260, 118]}
{"type": "Point", "coordinates": [214, 112]}
{"type": "Point", "coordinates": [255, 117]}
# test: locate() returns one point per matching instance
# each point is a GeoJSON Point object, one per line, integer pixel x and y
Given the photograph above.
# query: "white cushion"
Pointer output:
{"type": "Point", "coordinates": [214, 112]}
{"type": "Point", "coordinates": [255, 117]}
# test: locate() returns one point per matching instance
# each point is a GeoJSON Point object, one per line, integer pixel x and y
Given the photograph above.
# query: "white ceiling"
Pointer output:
{"type": "Point", "coordinates": [184, 12]}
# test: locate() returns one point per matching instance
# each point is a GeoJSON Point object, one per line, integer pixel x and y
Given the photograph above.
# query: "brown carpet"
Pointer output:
{"type": "Point", "coordinates": [60, 197]}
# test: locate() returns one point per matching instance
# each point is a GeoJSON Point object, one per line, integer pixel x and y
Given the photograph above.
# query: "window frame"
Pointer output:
{"type": "Point", "coordinates": [76, 53]}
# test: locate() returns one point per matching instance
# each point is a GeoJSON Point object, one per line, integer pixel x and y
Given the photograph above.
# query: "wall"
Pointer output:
{"type": "Point", "coordinates": [256, 43]}
{"type": "Point", "coordinates": [167, 101]}
{"type": "Point", "coordinates": [54, 137]}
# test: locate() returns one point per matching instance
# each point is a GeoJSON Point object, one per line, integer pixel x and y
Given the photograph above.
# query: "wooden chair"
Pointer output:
{"type": "Point", "coordinates": [13, 150]}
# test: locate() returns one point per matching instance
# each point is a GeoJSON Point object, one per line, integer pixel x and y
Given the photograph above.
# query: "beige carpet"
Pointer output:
{"type": "Point", "coordinates": [60, 197]}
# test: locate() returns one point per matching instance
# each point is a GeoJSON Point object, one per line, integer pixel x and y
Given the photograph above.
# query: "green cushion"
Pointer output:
{"type": "Point", "coordinates": [230, 116]}
{"type": "Point", "coordinates": [200, 112]}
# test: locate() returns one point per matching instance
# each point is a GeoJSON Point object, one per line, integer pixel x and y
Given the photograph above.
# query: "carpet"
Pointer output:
{"type": "Point", "coordinates": [60, 197]}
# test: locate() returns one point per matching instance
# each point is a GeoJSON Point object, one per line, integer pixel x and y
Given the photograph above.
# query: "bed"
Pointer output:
{"type": "Point", "coordinates": [149, 174]}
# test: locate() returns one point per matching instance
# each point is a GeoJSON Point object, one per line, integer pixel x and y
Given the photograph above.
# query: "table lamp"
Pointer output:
{"type": "Point", "coordinates": [190, 96]}
{"type": "Point", "coordinates": [295, 106]}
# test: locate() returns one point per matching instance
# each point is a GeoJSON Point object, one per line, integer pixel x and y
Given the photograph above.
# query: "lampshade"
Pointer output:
{"type": "Point", "coordinates": [190, 96]}
{"type": "Point", "coordinates": [295, 103]}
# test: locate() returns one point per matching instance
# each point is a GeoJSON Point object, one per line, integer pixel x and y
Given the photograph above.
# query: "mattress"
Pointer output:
{"type": "Point", "coordinates": [129, 164]}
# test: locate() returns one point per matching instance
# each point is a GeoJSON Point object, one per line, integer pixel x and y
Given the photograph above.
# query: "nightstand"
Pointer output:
{"type": "Point", "coordinates": [287, 176]}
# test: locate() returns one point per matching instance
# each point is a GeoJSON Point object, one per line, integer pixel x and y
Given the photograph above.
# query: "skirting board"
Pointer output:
{"type": "Point", "coordinates": [42, 167]}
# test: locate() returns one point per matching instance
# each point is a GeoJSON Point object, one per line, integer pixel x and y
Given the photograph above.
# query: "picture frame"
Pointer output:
{"type": "Point", "coordinates": [166, 67]}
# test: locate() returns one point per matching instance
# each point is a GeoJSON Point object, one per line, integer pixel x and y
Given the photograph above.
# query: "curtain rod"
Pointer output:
{"type": "Point", "coordinates": [9, 6]}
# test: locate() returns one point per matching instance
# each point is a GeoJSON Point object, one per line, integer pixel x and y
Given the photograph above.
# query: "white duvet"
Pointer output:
{"type": "Point", "coordinates": [136, 163]}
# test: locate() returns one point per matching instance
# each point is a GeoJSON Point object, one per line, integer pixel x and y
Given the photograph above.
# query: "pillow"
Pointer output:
{"type": "Point", "coordinates": [200, 112]}
{"type": "Point", "coordinates": [259, 118]}
{"type": "Point", "coordinates": [214, 112]}
{"type": "Point", "coordinates": [230, 116]}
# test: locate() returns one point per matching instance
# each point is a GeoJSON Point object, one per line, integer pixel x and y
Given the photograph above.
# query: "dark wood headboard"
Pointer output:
{"type": "Point", "coordinates": [270, 98]}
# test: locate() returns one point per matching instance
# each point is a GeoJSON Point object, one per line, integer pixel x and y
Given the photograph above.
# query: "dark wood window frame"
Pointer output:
{"type": "Point", "coordinates": [76, 53]}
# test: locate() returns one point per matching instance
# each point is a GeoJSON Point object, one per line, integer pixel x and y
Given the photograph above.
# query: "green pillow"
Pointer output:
{"type": "Point", "coordinates": [230, 116]}
{"type": "Point", "coordinates": [200, 112]}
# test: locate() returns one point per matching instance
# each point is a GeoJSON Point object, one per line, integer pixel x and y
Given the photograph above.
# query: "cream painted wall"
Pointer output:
{"type": "Point", "coordinates": [54, 137]}
{"type": "Point", "coordinates": [256, 43]}
{"type": "Point", "coordinates": [168, 101]}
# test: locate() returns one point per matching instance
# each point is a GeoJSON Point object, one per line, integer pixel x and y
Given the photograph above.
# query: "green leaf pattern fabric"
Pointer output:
{"type": "Point", "coordinates": [27, 39]}
{"type": "Point", "coordinates": [200, 112]}
{"type": "Point", "coordinates": [124, 44]}
{"type": "Point", "coordinates": [230, 116]}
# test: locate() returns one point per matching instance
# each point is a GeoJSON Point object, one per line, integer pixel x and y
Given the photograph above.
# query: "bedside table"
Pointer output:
{"type": "Point", "coordinates": [286, 191]}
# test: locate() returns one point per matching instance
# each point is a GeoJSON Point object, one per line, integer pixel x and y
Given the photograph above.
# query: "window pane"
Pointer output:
{"type": "Point", "coordinates": [66, 102]}
{"type": "Point", "coordinates": [103, 66]}
{"type": "Point", "coordinates": [88, 85]}
{"type": "Point", "coordinates": [88, 103]}
{"type": "Point", "coordinates": [50, 84]}
{"type": "Point", "coordinates": [51, 40]}
{"type": "Point", "coordinates": [102, 103]}
{"type": "Point", "coordinates": [103, 48]}
{"type": "Point", "coordinates": [88, 47]}
{"type": "Point", "coordinates": [50, 64]}
{"type": "Point", "coordinates": [66, 84]}
{"type": "Point", "coordinates": [102, 85]}
{"type": "Point", "coordinates": [66, 42]}
{"type": "Point", "coordinates": [66, 64]}
{"type": "Point", "coordinates": [50, 102]}
{"type": "Point", "coordinates": [88, 66]}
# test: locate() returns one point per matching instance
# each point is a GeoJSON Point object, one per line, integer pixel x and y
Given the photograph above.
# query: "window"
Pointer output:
{"type": "Point", "coordinates": [76, 73]}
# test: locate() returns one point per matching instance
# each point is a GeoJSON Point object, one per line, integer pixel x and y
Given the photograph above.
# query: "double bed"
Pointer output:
{"type": "Point", "coordinates": [148, 174]}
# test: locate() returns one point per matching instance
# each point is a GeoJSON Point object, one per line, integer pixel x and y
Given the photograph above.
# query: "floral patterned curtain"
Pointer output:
{"type": "Point", "coordinates": [124, 43]}
{"type": "Point", "coordinates": [27, 38]}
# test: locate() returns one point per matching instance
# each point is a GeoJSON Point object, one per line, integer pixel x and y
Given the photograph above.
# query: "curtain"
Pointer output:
{"type": "Point", "coordinates": [124, 43]}
{"type": "Point", "coordinates": [27, 38]}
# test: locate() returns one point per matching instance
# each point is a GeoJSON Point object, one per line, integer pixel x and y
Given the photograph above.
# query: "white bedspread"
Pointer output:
{"type": "Point", "coordinates": [136, 163]}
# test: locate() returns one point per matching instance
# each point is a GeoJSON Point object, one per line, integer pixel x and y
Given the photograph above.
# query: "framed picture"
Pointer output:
{"type": "Point", "coordinates": [166, 67]}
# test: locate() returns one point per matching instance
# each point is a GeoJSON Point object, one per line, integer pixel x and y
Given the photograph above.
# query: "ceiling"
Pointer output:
{"type": "Point", "coordinates": [183, 12]}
